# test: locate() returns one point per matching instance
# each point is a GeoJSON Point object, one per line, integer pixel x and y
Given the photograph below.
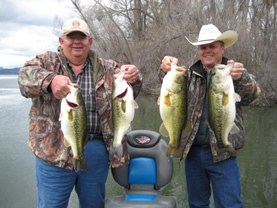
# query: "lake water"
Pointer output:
{"type": "Point", "coordinates": [257, 160]}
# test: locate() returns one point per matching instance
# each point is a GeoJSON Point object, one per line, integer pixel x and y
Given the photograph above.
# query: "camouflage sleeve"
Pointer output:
{"type": "Point", "coordinates": [247, 88]}
{"type": "Point", "coordinates": [161, 74]}
{"type": "Point", "coordinates": [137, 85]}
{"type": "Point", "coordinates": [33, 78]}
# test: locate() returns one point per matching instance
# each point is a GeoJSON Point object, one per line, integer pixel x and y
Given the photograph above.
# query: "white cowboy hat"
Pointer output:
{"type": "Point", "coordinates": [210, 33]}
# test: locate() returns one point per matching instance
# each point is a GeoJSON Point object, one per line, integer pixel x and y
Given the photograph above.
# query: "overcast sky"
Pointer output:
{"type": "Point", "coordinates": [27, 28]}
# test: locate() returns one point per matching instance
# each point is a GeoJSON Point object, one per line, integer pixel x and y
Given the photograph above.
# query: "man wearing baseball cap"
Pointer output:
{"type": "Point", "coordinates": [46, 80]}
{"type": "Point", "coordinates": [205, 167]}
{"type": "Point", "coordinates": [75, 25]}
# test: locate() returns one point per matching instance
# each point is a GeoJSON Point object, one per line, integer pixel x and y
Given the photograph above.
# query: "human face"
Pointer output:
{"type": "Point", "coordinates": [75, 46]}
{"type": "Point", "coordinates": [211, 54]}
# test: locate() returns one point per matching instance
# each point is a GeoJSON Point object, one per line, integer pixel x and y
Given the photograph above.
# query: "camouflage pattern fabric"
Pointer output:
{"type": "Point", "coordinates": [45, 136]}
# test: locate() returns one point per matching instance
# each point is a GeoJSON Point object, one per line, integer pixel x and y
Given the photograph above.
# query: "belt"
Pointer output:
{"type": "Point", "coordinates": [201, 145]}
{"type": "Point", "coordinates": [95, 136]}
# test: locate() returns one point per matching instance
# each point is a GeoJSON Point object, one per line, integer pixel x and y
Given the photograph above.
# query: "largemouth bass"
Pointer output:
{"type": "Point", "coordinates": [74, 125]}
{"type": "Point", "coordinates": [173, 107]}
{"type": "Point", "coordinates": [222, 105]}
{"type": "Point", "coordinates": [123, 112]}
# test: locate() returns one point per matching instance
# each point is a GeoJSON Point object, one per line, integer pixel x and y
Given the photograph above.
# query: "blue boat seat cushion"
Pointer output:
{"type": "Point", "coordinates": [142, 170]}
{"type": "Point", "coordinates": [141, 197]}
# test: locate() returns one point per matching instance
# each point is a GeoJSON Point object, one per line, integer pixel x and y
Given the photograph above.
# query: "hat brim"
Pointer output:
{"type": "Point", "coordinates": [68, 32]}
{"type": "Point", "coordinates": [229, 38]}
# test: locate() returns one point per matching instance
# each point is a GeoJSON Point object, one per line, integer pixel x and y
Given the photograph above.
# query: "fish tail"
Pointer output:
{"type": "Point", "coordinates": [79, 164]}
{"type": "Point", "coordinates": [175, 151]}
{"type": "Point", "coordinates": [229, 149]}
{"type": "Point", "coordinates": [116, 151]}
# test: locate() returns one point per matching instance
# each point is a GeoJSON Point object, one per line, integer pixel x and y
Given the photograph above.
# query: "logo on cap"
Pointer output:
{"type": "Point", "coordinates": [75, 23]}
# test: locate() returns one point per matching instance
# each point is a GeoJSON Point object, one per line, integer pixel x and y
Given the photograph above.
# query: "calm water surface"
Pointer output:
{"type": "Point", "coordinates": [257, 160]}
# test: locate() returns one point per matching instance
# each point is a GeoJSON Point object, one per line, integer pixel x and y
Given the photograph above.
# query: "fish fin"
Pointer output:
{"type": "Point", "coordinates": [173, 151]}
{"type": "Point", "coordinates": [225, 99]}
{"type": "Point", "coordinates": [79, 164]}
{"type": "Point", "coordinates": [159, 100]}
{"type": "Point", "coordinates": [70, 115]}
{"type": "Point", "coordinates": [163, 130]}
{"type": "Point", "coordinates": [66, 143]}
{"type": "Point", "coordinates": [237, 97]}
{"type": "Point", "coordinates": [229, 149]}
{"type": "Point", "coordinates": [116, 151]}
{"type": "Point", "coordinates": [234, 129]}
{"type": "Point", "coordinates": [134, 104]}
{"type": "Point", "coordinates": [167, 100]}
{"type": "Point", "coordinates": [123, 106]}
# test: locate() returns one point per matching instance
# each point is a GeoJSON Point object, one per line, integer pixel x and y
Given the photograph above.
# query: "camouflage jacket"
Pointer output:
{"type": "Point", "coordinates": [45, 136]}
{"type": "Point", "coordinates": [246, 87]}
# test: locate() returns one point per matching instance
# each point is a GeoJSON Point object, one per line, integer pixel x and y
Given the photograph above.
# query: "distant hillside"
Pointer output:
{"type": "Point", "coordinates": [9, 71]}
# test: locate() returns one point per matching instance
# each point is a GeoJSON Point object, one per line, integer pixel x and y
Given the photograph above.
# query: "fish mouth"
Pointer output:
{"type": "Point", "coordinates": [221, 68]}
{"type": "Point", "coordinates": [122, 94]}
{"type": "Point", "coordinates": [120, 74]}
{"type": "Point", "coordinates": [71, 104]}
{"type": "Point", "coordinates": [74, 85]}
{"type": "Point", "coordinates": [181, 69]}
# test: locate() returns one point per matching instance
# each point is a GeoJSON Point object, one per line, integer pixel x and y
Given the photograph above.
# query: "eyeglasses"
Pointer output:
{"type": "Point", "coordinates": [71, 38]}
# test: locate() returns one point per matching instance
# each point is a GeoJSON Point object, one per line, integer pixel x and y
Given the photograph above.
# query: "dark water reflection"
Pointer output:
{"type": "Point", "coordinates": [257, 160]}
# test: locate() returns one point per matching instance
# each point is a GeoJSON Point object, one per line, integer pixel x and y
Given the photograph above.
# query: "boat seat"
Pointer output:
{"type": "Point", "coordinates": [148, 171]}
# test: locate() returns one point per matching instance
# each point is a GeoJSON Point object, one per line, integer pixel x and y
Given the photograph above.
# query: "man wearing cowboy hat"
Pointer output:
{"type": "Point", "coordinates": [203, 165]}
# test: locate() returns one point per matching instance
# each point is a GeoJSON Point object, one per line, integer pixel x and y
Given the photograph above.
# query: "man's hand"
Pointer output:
{"type": "Point", "coordinates": [131, 74]}
{"type": "Point", "coordinates": [59, 86]}
{"type": "Point", "coordinates": [166, 63]}
{"type": "Point", "coordinates": [237, 70]}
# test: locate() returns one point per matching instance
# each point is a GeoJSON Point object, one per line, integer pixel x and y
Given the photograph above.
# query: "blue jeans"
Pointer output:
{"type": "Point", "coordinates": [55, 184]}
{"type": "Point", "coordinates": [223, 176]}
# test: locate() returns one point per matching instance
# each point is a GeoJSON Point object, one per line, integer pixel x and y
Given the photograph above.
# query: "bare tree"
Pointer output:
{"type": "Point", "coordinates": [143, 31]}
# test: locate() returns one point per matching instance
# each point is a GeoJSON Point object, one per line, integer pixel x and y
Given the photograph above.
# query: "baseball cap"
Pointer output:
{"type": "Point", "coordinates": [75, 25]}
